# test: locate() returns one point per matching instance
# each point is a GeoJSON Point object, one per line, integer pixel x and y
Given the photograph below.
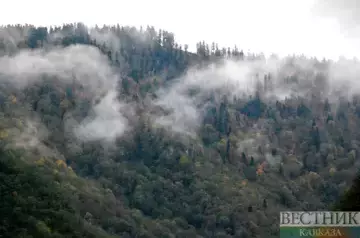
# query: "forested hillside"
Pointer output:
{"type": "Point", "coordinates": [122, 132]}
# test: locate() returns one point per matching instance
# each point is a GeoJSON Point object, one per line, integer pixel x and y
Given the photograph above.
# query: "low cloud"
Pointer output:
{"type": "Point", "coordinates": [80, 64]}
{"type": "Point", "coordinates": [186, 99]}
{"type": "Point", "coordinates": [106, 122]}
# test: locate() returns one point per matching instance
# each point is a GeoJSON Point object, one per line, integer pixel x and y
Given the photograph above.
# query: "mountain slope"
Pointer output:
{"type": "Point", "coordinates": [118, 132]}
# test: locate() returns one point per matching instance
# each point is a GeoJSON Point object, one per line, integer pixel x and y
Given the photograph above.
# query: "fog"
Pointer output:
{"type": "Point", "coordinates": [80, 64]}
{"type": "Point", "coordinates": [106, 122]}
{"type": "Point", "coordinates": [280, 26]}
{"type": "Point", "coordinates": [184, 100]}
{"type": "Point", "coordinates": [187, 99]}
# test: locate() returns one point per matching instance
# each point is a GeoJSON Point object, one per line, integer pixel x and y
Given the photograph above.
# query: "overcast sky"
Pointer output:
{"type": "Point", "coordinates": [279, 26]}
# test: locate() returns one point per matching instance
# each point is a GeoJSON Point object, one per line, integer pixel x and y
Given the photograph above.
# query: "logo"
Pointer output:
{"type": "Point", "coordinates": [296, 224]}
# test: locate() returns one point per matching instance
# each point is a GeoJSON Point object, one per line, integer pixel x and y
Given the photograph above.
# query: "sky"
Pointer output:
{"type": "Point", "coordinates": [310, 27]}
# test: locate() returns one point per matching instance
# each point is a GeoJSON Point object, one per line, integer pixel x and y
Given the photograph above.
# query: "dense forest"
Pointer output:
{"type": "Point", "coordinates": [121, 132]}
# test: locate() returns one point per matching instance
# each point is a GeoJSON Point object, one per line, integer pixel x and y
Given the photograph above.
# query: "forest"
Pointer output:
{"type": "Point", "coordinates": [115, 131]}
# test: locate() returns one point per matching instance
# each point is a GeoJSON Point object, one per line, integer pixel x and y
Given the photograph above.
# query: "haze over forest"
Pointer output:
{"type": "Point", "coordinates": [118, 131]}
{"type": "Point", "coordinates": [311, 27]}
